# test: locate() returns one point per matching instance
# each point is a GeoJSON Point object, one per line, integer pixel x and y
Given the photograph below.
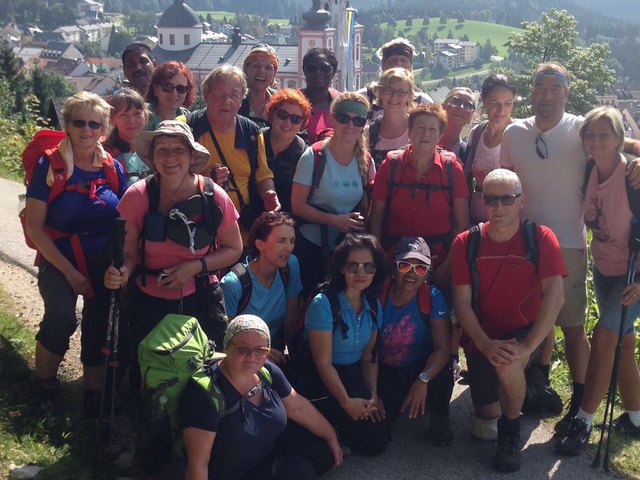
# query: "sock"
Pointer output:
{"type": "Point", "coordinates": [634, 417]}
{"type": "Point", "coordinates": [587, 417]}
{"type": "Point", "coordinates": [578, 392]}
{"type": "Point", "coordinates": [543, 368]}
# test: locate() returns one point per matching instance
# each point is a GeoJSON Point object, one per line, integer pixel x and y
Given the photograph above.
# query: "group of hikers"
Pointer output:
{"type": "Point", "coordinates": [339, 248]}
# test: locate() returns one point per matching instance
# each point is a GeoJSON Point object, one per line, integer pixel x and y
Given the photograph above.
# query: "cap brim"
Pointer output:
{"type": "Point", "coordinates": [199, 155]}
{"type": "Point", "coordinates": [414, 256]}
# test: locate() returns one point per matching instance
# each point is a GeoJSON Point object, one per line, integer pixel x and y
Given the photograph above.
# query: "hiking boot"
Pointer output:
{"type": "Point", "coordinates": [439, 431]}
{"type": "Point", "coordinates": [625, 426]}
{"type": "Point", "coordinates": [562, 427]}
{"type": "Point", "coordinates": [47, 393]}
{"type": "Point", "coordinates": [91, 404]}
{"type": "Point", "coordinates": [540, 398]}
{"type": "Point", "coordinates": [507, 458]}
{"type": "Point", "coordinates": [576, 439]}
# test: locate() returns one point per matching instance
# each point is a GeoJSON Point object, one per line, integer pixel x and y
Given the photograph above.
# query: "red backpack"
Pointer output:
{"type": "Point", "coordinates": [45, 143]}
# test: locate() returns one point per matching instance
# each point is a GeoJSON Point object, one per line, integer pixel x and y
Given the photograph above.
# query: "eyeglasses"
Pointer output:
{"type": "Point", "coordinates": [419, 269]}
{"type": "Point", "coordinates": [459, 102]}
{"type": "Point", "coordinates": [399, 92]}
{"type": "Point", "coordinates": [354, 267]}
{"type": "Point", "coordinates": [83, 123]}
{"type": "Point", "coordinates": [318, 67]}
{"type": "Point", "coordinates": [505, 200]}
{"type": "Point", "coordinates": [259, 352]}
{"type": "Point", "coordinates": [344, 119]}
{"type": "Point", "coordinates": [541, 147]}
{"type": "Point", "coordinates": [180, 89]}
{"type": "Point", "coordinates": [233, 96]}
{"type": "Point", "coordinates": [293, 118]}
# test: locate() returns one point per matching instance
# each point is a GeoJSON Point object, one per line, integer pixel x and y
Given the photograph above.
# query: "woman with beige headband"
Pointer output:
{"type": "Point", "coordinates": [260, 68]}
{"type": "Point", "coordinates": [270, 431]}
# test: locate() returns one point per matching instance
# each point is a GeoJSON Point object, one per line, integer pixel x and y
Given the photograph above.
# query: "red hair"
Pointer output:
{"type": "Point", "coordinates": [289, 95]}
{"type": "Point", "coordinates": [166, 71]}
{"type": "Point", "coordinates": [430, 110]}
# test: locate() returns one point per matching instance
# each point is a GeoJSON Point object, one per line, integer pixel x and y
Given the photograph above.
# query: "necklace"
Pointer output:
{"type": "Point", "coordinates": [174, 198]}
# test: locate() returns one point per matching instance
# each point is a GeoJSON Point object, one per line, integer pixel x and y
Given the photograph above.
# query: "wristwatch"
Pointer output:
{"type": "Point", "coordinates": [424, 377]}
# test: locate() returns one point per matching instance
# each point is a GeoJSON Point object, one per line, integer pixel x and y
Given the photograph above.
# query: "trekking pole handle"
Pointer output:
{"type": "Point", "coordinates": [118, 253]}
{"type": "Point", "coordinates": [634, 236]}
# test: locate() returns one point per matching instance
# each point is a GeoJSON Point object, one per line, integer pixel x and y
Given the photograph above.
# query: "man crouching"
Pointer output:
{"type": "Point", "coordinates": [507, 289]}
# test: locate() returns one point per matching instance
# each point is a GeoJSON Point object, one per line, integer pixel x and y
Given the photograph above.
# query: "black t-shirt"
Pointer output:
{"type": "Point", "coordinates": [246, 436]}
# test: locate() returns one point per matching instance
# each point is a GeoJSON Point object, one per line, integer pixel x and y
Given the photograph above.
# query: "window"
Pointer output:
{"type": "Point", "coordinates": [187, 39]}
{"type": "Point", "coordinates": [172, 39]}
{"type": "Point", "coordinates": [161, 40]}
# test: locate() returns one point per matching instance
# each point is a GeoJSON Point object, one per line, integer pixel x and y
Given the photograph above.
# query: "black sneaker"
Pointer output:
{"type": "Point", "coordinates": [507, 458]}
{"type": "Point", "coordinates": [625, 426]}
{"type": "Point", "coordinates": [439, 431]}
{"type": "Point", "coordinates": [563, 426]}
{"type": "Point", "coordinates": [576, 439]}
{"type": "Point", "coordinates": [540, 398]}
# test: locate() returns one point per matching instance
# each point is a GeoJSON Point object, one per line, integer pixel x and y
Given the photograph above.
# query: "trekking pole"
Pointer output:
{"type": "Point", "coordinates": [634, 247]}
{"type": "Point", "coordinates": [110, 348]}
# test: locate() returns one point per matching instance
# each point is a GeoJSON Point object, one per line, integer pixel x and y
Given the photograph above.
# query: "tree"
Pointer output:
{"type": "Point", "coordinates": [11, 72]}
{"type": "Point", "coordinates": [443, 20]}
{"type": "Point", "coordinates": [56, 16]}
{"type": "Point", "coordinates": [48, 85]}
{"type": "Point", "coordinates": [409, 22]}
{"type": "Point", "coordinates": [425, 21]}
{"type": "Point", "coordinates": [450, 34]}
{"type": "Point", "coordinates": [555, 38]}
{"type": "Point", "coordinates": [209, 19]}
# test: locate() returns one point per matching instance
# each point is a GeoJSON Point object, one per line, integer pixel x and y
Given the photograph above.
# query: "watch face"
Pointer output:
{"type": "Point", "coordinates": [424, 377]}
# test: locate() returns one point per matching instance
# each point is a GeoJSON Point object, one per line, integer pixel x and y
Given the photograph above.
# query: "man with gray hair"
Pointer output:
{"type": "Point", "coordinates": [546, 152]}
{"type": "Point", "coordinates": [506, 304]}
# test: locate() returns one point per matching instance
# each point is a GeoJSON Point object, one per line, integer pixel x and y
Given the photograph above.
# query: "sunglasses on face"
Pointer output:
{"type": "Point", "coordinates": [344, 119]}
{"type": "Point", "coordinates": [180, 89]}
{"type": "Point", "coordinates": [259, 352]}
{"type": "Point", "coordinates": [315, 67]}
{"type": "Point", "coordinates": [83, 123]}
{"type": "Point", "coordinates": [354, 267]}
{"type": "Point", "coordinates": [419, 269]}
{"type": "Point", "coordinates": [284, 115]}
{"type": "Point", "coordinates": [459, 102]}
{"type": "Point", "coordinates": [541, 147]}
{"type": "Point", "coordinates": [505, 200]}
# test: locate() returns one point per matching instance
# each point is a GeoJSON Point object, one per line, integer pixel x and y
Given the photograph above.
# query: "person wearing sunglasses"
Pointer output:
{"type": "Point", "coordinates": [502, 332]}
{"type": "Point", "coordinates": [546, 152]}
{"type": "Point", "coordinates": [421, 191]}
{"type": "Point", "coordinates": [608, 213]}
{"type": "Point", "coordinates": [319, 66]}
{"type": "Point", "coordinates": [170, 94]}
{"type": "Point", "coordinates": [460, 106]}
{"type": "Point", "coordinates": [129, 115]}
{"type": "Point", "coordinates": [344, 354]}
{"type": "Point", "coordinates": [390, 131]}
{"type": "Point", "coordinates": [498, 95]}
{"type": "Point", "coordinates": [415, 372]}
{"type": "Point", "coordinates": [332, 200]}
{"type": "Point", "coordinates": [72, 235]}
{"type": "Point", "coordinates": [260, 68]}
{"type": "Point", "coordinates": [288, 112]}
{"type": "Point", "coordinates": [272, 432]}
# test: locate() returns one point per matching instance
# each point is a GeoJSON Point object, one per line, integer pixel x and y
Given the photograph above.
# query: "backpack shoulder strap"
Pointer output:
{"type": "Point", "coordinates": [153, 193]}
{"type": "Point", "coordinates": [374, 133]}
{"type": "Point", "coordinates": [530, 232]}
{"type": "Point", "coordinates": [111, 174]}
{"type": "Point", "coordinates": [59, 169]}
{"type": "Point", "coordinates": [210, 209]}
{"type": "Point", "coordinates": [473, 248]}
{"type": "Point", "coordinates": [587, 175]}
{"type": "Point", "coordinates": [475, 140]}
{"type": "Point", "coordinates": [336, 312]}
{"type": "Point", "coordinates": [319, 164]}
{"type": "Point", "coordinates": [245, 281]}
{"type": "Point", "coordinates": [424, 303]}
{"type": "Point", "coordinates": [394, 159]}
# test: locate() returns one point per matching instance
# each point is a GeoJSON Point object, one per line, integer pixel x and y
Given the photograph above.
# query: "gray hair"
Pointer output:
{"type": "Point", "coordinates": [502, 175]}
{"type": "Point", "coordinates": [611, 115]}
{"type": "Point", "coordinates": [224, 70]}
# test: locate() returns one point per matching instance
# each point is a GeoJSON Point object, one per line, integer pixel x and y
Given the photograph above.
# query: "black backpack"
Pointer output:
{"type": "Point", "coordinates": [241, 272]}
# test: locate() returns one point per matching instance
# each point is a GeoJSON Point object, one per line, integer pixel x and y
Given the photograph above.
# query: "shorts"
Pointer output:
{"type": "Point", "coordinates": [608, 294]}
{"type": "Point", "coordinates": [574, 310]}
{"type": "Point", "coordinates": [483, 380]}
{"type": "Point", "coordinates": [59, 321]}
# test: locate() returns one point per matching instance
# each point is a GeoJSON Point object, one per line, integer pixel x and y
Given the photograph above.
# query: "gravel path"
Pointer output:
{"type": "Point", "coordinates": [409, 456]}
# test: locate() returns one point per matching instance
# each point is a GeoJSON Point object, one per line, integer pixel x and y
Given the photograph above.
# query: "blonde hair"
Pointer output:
{"type": "Point", "coordinates": [456, 90]}
{"type": "Point", "coordinates": [396, 74]}
{"type": "Point", "coordinates": [611, 115]}
{"type": "Point", "coordinates": [224, 70]}
{"type": "Point", "coordinates": [359, 149]}
{"type": "Point", "coordinates": [86, 102]}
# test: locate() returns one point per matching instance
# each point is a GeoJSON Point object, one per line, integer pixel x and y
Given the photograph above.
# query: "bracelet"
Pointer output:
{"type": "Point", "coordinates": [204, 266]}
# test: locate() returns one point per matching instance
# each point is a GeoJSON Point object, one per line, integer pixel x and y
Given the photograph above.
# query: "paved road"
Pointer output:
{"type": "Point", "coordinates": [410, 455]}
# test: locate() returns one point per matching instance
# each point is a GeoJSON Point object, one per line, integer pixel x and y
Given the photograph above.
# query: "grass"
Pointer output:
{"type": "Point", "coordinates": [219, 15]}
{"type": "Point", "coordinates": [61, 444]}
{"type": "Point", "coordinates": [476, 31]}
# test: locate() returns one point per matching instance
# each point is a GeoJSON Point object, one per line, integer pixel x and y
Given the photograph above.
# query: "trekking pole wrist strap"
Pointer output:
{"type": "Point", "coordinates": [203, 263]}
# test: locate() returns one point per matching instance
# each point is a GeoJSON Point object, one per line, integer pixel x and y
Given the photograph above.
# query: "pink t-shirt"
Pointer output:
{"type": "Point", "coordinates": [607, 215]}
{"type": "Point", "coordinates": [134, 207]}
